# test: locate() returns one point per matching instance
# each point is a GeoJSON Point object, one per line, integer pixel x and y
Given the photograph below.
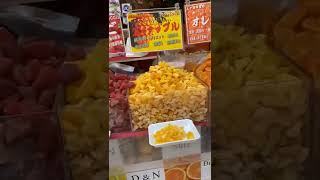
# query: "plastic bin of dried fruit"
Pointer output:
{"type": "Point", "coordinates": [83, 115]}
{"type": "Point", "coordinates": [141, 122]}
{"type": "Point", "coordinates": [32, 141]}
{"type": "Point", "coordinates": [258, 89]}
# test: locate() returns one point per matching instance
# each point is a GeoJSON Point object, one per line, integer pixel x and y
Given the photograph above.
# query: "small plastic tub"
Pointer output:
{"type": "Point", "coordinates": [187, 124]}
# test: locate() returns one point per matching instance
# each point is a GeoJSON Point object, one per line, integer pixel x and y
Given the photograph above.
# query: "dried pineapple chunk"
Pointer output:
{"type": "Point", "coordinates": [171, 133]}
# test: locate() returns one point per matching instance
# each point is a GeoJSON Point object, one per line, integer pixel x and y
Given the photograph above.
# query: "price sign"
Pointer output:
{"type": "Point", "coordinates": [151, 174]}
{"type": "Point", "coordinates": [116, 40]}
{"type": "Point", "coordinates": [114, 6]}
{"type": "Point", "coordinates": [181, 150]}
{"type": "Point", "coordinates": [155, 31]}
{"type": "Point", "coordinates": [198, 22]}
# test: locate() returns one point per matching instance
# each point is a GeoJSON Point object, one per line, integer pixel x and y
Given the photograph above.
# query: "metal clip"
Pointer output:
{"type": "Point", "coordinates": [177, 6]}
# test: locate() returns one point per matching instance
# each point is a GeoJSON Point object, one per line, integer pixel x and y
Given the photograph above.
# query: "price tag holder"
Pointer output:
{"type": "Point", "coordinates": [151, 174]}
{"type": "Point", "coordinates": [181, 150]}
{"type": "Point", "coordinates": [198, 22]}
{"type": "Point", "coordinates": [206, 166]}
{"type": "Point", "coordinates": [115, 156]}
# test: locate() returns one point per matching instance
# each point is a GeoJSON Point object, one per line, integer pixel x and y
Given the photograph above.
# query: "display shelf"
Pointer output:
{"type": "Point", "coordinates": [144, 133]}
{"type": "Point", "coordinates": [153, 55]}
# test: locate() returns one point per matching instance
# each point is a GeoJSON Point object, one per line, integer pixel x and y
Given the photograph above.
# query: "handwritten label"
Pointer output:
{"type": "Point", "coordinates": [152, 174]}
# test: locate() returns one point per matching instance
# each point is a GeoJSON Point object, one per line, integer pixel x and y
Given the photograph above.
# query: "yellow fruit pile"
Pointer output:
{"type": "Point", "coordinates": [84, 118]}
{"type": "Point", "coordinates": [94, 83]}
{"type": "Point", "coordinates": [171, 133]}
{"type": "Point", "coordinates": [166, 93]}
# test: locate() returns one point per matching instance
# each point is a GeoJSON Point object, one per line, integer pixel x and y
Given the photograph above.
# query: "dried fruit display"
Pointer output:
{"type": "Point", "coordinates": [166, 93]}
{"type": "Point", "coordinates": [171, 133]}
{"type": "Point", "coordinates": [93, 83]}
{"type": "Point", "coordinates": [297, 34]}
{"type": "Point", "coordinates": [183, 168]}
{"type": "Point", "coordinates": [256, 89]}
{"type": "Point", "coordinates": [29, 132]}
{"type": "Point", "coordinates": [203, 71]}
{"type": "Point", "coordinates": [119, 117]}
{"type": "Point", "coordinates": [85, 129]}
{"type": "Point", "coordinates": [84, 117]}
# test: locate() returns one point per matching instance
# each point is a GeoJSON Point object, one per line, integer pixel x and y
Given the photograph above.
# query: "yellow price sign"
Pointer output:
{"type": "Point", "coordinates": [155, 31]}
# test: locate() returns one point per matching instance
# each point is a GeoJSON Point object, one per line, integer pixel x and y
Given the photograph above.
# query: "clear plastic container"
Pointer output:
{"type": "Point", "coordinates": [32, 147]}
{"type": "Point", "coordinates": [262, 125]}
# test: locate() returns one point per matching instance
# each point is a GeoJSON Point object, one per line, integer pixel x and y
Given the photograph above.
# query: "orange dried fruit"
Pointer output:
{"type": "Point", "coordinates": [175, 174]}
{"type": "Point", "coordinates": [194, 170]}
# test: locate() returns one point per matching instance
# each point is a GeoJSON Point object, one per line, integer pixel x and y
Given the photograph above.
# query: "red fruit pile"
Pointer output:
{"type": "Point", "coordinates": [30, 72]}
{"type": "Point", "coordinates": [119, 118]}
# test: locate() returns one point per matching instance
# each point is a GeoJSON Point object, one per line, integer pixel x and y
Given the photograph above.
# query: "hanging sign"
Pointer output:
{"type": "Point", "coordinates": [155, 31]}
{"type": "Point", "coordinates": [116, 40]}
{"type": "Point", "coordinates": [114, 6]}
{"type": "Point", "coordinates": [198, 22]}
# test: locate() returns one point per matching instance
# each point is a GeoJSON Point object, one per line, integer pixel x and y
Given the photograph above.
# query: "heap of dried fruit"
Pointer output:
{"type": "Point", "coordinates": [85, 129]}
{"type": "Point", "coordinates": [119, 84]}
{"type": "Point", "coordinates": [166, 93]}
{"type": "Point", "coordinates": [30, 71]}
{"type": "Point", "coordinates": [84, 117]}
{"type": "Point", "coordinates": [171, 133]}
{"type": "Point", "coordinates": [257, 89]}
{"type": "Point", "coordinates": [297, 34]}
{"type": "Point", "coordinates": [203, 71]}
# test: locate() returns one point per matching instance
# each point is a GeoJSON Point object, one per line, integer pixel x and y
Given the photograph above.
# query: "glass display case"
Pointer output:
{"type": "Point", "coordinates": [133, 158]}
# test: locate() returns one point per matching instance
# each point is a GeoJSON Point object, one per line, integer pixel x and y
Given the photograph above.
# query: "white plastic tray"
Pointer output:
{"type": "Point", "coordinates": [187, 124]}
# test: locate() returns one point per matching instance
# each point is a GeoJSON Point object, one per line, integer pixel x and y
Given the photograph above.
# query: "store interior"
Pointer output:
{"type": "Point", "coordinates": [256, 115]}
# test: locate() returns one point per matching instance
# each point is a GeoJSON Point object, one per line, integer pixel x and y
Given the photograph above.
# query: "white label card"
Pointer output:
{"type": "Point", "coordinates": [115, 157]}
{"type": "Point", "coordinates": [206, 166]}
{"type": "Point", "coordinates": [181, 150]}
{"type": "Point", "coordinates": [151, 174]}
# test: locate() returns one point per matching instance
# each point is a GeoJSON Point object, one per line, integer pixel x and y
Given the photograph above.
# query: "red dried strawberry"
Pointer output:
{"type": "Point", "coordinates": [32, 70]}
{"type": "Point", "coordinates": [48, 78]}
{"type": "Point", "coordinates": [39, 49]}
{"type": "Point", "coordinates": [6, 65]}
{"type": "Point", "coordinates": [18, 74]}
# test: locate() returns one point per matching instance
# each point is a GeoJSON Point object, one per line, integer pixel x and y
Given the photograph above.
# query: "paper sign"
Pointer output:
{"type": "Point", "coordinates": [155, 31]}
{"type": "Point", "coordinates": [151, 174]}
{"type": "Point", "coordinates": [116, 40]}
{"type": "Point", "coordinates": [198, 22]}
{"type": "Point", "coordinates": [114, 7]}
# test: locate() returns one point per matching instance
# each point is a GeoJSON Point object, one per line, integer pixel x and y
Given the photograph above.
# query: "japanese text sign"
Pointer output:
{"type": "Point", "coordinates": [155, 31]}
{"type": "Point", "coordinates": [114, 6]}
{"type": "Point", "coordinates": [198, 22]}
{"type": "Point", "coordinates": [116, 41]}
